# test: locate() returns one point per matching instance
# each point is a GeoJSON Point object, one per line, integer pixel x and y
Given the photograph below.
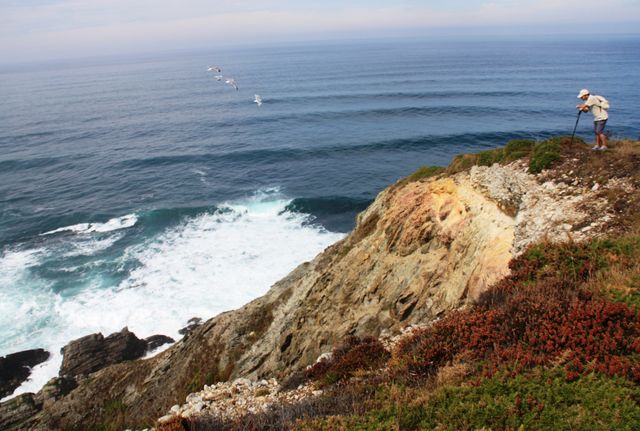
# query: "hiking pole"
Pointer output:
{"type": "Point", "coordinates": [575, 127]}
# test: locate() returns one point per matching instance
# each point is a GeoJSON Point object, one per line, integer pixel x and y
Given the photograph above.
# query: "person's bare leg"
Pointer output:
{"type": "Point", "coordinates": [603, 140]}
{"type": "Point", "coordinates": [597, 144]}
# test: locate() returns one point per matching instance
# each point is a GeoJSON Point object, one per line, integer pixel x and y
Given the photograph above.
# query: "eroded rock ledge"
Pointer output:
{"type": "Point", "coordinates": [421, 249]}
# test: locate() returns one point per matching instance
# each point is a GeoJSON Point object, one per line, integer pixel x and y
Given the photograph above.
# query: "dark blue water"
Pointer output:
{"type": "Point", "coordinates": [85, 142]}
{"type": "Point", "coordinates": [179, 173]}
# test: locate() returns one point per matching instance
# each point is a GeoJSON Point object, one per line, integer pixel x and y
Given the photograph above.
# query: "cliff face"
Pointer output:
{"type": "Point", "coordinates": [421, 249]}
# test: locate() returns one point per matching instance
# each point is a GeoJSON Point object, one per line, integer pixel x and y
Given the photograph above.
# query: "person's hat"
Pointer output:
{"type": "Point", "coordinates": [583, 92]}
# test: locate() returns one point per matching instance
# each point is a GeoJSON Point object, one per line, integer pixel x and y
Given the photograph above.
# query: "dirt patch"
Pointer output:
{"type": "Point", "coordinates": [614, 174]}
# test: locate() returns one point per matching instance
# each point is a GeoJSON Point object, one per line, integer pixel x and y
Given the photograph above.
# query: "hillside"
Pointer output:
{"type": "Point", "coordinates": [516, 265]}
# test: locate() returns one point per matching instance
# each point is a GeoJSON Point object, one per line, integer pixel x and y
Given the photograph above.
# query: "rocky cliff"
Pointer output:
{"type": "Point", "coordinates": [425, 246]}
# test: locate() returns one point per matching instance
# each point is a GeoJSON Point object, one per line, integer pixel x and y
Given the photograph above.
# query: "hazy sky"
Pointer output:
{"type": "Point", "coordinates": [48, 29]}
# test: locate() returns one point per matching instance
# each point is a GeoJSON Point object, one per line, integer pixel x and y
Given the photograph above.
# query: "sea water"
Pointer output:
{"type": "Point", "coordinates": [142, 192]}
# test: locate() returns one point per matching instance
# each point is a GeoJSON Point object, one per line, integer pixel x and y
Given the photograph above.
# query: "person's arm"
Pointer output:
{"type": "Point", "coordinates": [583, 107]}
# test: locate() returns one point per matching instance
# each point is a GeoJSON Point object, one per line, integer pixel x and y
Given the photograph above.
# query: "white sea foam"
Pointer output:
{"type": "Point", "coordinates": [123, 222]}
{"type": "Point", "coordinates": [14, 262]}
{"type": "Point", "coordinates": [203, 266]}
{"type": "Point", "coordinates": [91, 246]}
{"type": "Point", "coordinates": [202, 175]}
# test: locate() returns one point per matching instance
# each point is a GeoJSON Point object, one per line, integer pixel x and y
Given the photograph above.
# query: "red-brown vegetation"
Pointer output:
{"type": "Point", "coordinates": [538, 316]}
{"type": "Point", "coordinates": [354, 354]}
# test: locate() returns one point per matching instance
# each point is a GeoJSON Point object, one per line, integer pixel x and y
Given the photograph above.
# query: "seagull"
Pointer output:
{"type": "Point", "coordinates": [232, 82]}
{"type": "Point", "coordinates": [214, 69]}
{"type": "Point", "coordinates": [218, 77]}
{"type": "Point", "coordinates": [258, 99]}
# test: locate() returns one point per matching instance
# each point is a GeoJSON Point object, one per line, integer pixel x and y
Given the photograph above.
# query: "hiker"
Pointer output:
{"type": "Point", "coordinates": [598, 106]}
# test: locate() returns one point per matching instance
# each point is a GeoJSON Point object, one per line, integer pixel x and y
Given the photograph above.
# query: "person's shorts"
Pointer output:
{"type": "Point", "coordinates": [598, 126]}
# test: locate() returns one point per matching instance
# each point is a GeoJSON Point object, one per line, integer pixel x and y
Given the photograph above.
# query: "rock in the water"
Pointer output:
{"type": "Point", "coordinates": [192, 324]}
{"type": "Point", "coordinates": [16, 413]}
{"type": "Point", "coordinates": [16, 368]}
{"type": "Point", "coordinates": [94, 352]}
{"type": "Point", "coordinates": [155, 341]}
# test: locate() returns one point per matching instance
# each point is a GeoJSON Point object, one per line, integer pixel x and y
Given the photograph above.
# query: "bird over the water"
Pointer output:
{"type": "Point", "coordinates": [218, 77]}
{"type": "Point", "coordinates": [214, 69]}
{"type": "Point", "coordinates": [258, 99]}
{"type": "Point", "coordinates": [232, 82]}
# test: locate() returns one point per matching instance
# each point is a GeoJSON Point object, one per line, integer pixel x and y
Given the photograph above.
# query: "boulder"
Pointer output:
{"type": "Point", "coordinates": [155, 341]}
{"type": "Point", "coordinates": [93, 352]}
{"type": "Point", "coordinates": [16, 368]}
{"type": "Point", "coordinates": [192, 324]}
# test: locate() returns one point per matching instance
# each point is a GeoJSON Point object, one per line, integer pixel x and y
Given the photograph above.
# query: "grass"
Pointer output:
{"type": "Point", "coordinates": [462, 162]}
{"type": "Point", "coordinates": [199, 380]}
{"type": "Point", "coordinates": [518, 149]}
{"type": "Point", "coordinates": [426, 172]}
{"type": "Point", "coordinates": [542, 155]}
{"type": "Point", "coordinates": [117, 418]}
{"type": "Point", "coordinates": [540, 400]}
{"type": "Point", "coordinates": [576, 260]}
{"type": "Point", "coordinates": [421, 173]}
{"type": "Point", "coordinates": [514, 150]}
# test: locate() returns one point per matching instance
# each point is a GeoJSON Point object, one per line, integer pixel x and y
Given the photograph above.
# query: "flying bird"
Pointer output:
{"type": "Point", "coordinates": [232, 82]}
{"type": "Point", "coordinates": [214, 69]}
{"type": "Point", "coordinates": [219, 77]}
{"type": "Point", "coordinates": [258, 99]}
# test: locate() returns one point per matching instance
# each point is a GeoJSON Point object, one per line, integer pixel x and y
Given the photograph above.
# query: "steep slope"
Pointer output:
{"type": "Point", "coordinates": [424, 247]}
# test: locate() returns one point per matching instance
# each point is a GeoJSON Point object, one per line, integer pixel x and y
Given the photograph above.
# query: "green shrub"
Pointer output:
{"type": "Point", "coordinates": [426, 172]}
{"type": "Point", "coordinates": [544, 155]}
{"type": "Point", "coordinates": [517, 149]}
{"type": "Point", "coordinates": [541, 400]}
{"type": "Point", "coordinates": [574, 260]}
{"type": "Point", "coordinates": [489, 157]}
{"type": "Point", "coordinates": [631, 297]}
{"type": "Point", "coordinates": [462, 162]}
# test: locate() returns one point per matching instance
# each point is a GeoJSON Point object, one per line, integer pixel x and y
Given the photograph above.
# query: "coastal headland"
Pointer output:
{"type": "Point", "coordinates": [507, 271]}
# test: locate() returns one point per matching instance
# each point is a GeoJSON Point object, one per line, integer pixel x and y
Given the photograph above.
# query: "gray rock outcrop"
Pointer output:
{"type": "Point", "coordinates": [93, 352]}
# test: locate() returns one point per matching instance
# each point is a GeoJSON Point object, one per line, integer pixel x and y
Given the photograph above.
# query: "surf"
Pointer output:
{"type": "Point", "coordinates": [201, 263]}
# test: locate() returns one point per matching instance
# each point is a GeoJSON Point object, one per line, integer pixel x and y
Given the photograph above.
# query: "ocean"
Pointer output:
{"type": "Point", "coordinates": [142, 192]}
